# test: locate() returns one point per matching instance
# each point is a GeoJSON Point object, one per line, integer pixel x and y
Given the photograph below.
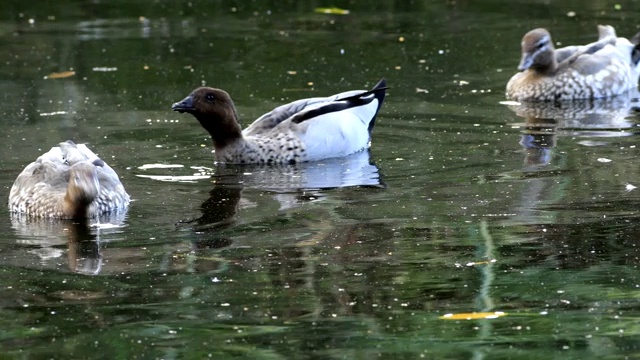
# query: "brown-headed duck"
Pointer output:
{"type": "Point", "coordinates": [304, 130]}
{"type": "Point", "coordinates": [601, 69]}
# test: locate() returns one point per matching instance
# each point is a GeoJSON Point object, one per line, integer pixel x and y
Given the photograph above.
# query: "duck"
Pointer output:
{"type": "Point", "coordinates": [304, 130]}
{"type": "Point", "coordinates": [605, 68]}
{"type": "Point", "coordinates": [68, 182]}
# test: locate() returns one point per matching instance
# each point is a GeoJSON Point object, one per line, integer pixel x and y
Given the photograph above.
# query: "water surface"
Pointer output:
{"type": "Point", "coordinates": [463, 204]}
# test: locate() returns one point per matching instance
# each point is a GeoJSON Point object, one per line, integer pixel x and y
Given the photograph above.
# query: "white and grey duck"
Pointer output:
{"type": "Point", "coordinates": [304, 130]}
{"type": "Point", "coordinates": [68, 182]}
{"type": "Point", "coordinates": [605, 68]}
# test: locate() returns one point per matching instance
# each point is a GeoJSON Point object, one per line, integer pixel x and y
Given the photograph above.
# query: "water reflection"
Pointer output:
{"type": "Point", "coordinates": [353, 170]}
{"type": "Point", "coordinates": [290, 185]}
{"type": "Point", "coordinates": [44, 241]}
{"type": "Point", "coordinates": [610, 113]}
{"type": "Point", "coordinates": [544, 121]}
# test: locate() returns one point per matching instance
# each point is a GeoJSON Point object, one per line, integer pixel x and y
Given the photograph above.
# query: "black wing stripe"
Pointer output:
{"type": "Point", "coordinates": [333, 107]}
{"type": "Point", "coordinates": [346, 103]}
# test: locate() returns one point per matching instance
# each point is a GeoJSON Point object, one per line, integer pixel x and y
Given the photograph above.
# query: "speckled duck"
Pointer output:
{"type": "Point", "coordinates": [304, 130]}
{"type": "Point", "coordinates": [605, 68]}
{"type": "Point", "coordinates": [69, 182]}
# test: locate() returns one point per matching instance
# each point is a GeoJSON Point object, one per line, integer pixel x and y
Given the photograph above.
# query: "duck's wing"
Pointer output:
{"type": "Point", "coordinates": [339, 128]}
{"type": "Point", "coordinates": [563, 53]}
{"type": "Point", "coordinates": [592, 58]}
{"type": "Point", "coordinates": [47, 176]}
{"type": "Point", "coordinates": [604, 31]}
{"type": "Point", "coordinates": [53, 166]}
{"type": "Point", "coordinates": [49, 168]}
{"type": "Point", "coordinates": [352, 100]}
{"type": "Point", "coordinates": [112, 194]}
{"type": "Point", "coordinates": [73, 153]}
{"type": "Point", "coordinates": [276, 116]}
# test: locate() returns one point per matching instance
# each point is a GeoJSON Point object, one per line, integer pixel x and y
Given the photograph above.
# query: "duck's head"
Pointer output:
{"type": "Point", "coordinates": [215, 111]}
{"type": "Point", "coordinates": [537, 51]}
{"type": "Point", "coordinates": [83, 188]}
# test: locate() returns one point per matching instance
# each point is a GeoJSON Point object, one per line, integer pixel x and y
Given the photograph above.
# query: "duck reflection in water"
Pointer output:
{"type": "Point", "coordinates": [538, 139]}
{"type": "Point", "coordinates": [43, 241]}
{"type": "Point", "coordinates": [290, 185]}
{"type": "Point", "coordinates": [545, 121]}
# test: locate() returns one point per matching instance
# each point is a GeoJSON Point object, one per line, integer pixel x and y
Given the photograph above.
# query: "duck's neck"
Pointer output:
{"type": "Point", "coordinates": [224, 131]}
{"type": "Point", "coordinates": [78, 198]}
{"type": "Point", "coordinates": [75, 209]}
{"type": "Point", "coordinates": [546, 64]}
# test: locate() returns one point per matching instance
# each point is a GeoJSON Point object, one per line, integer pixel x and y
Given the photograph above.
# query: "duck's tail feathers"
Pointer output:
{"type": "Point", "coordinates": [379, 90]}
{"type": "Point", "coordinates": [635, 53]}
{"type": "Point", "coordinates": [605, 31]}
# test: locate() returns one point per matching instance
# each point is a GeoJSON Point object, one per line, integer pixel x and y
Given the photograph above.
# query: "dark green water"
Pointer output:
{"type": "Point", "coordinates": [470, 205]}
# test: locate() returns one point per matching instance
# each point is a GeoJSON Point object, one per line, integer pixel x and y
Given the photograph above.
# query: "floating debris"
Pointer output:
{"type": "Point", "coordinates": [104, 69]}
{"type": "Point", "coordinates": [60, 75]}
{"type": "Point", "coordinates": [54, 113]}
{"type": "Point", "coordinates": [332, 11]}
{"type": "Point", "coordinates": [474, 263]}
{"type": "Point", "coordinates": [473, 316]}
{"type": "Point", "coordinates": [604, 160]}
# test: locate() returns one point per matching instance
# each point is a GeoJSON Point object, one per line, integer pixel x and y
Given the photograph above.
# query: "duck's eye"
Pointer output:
{"type": "Point", "coordinates": [540, 45]}
{"type": "Point", "coordinates": [210, 97]}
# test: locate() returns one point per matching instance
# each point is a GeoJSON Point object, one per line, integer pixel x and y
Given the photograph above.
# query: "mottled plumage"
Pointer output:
{"type": "Point", "coordinates": [605, 68]}
{"type": "Point", "coordinates": [304, 130]}
{"type": "Point", "coordinates": [70, 182]}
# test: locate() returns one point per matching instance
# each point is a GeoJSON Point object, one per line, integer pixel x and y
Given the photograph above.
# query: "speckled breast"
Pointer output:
{"type": "Point", "coordinates": [283, 149]}
{"type": "Point", "coordinates": [569, 85]}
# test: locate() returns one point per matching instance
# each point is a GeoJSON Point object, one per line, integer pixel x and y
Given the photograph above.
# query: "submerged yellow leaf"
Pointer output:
{"type": "Point", "coordinates": [473, 316]}
{"type": "Point", "coordinates": [60, 75]}
{"type": "Point", "coordinates": [332, 10]}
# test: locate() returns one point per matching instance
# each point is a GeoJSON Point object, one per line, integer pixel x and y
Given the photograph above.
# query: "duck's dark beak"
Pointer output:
{"type": "Point", "coordinates": [525, 62]}
{"type": "Point", "coordinates": [185, 105]}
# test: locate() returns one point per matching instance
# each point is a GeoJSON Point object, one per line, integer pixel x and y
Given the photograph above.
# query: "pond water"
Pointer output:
{"type": "Point", "coordinates": [464, 203]}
